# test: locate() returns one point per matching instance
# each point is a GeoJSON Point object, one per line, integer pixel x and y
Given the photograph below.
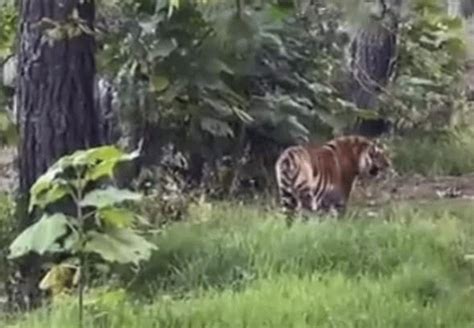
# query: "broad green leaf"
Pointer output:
{"type": "Point", "coordinates": [53, 194]}
{"type": "Point", "coordinates": [104, 153]}
{"type": "Point", "coordinates": [159, 83]}
{"type": "Point", "coordinates": [117, 217]}
{"type": "Point", "coordinates": [109, 157]}
{"type": "Point", "coordinates": [105, 168]}
{"type": "Point", "coordinates": [45, 181]}
{"type": "Point", "coordinates": [41, 237]}
{"type": "Point", "coordinates": [94, 155]}
{"type": "Point", "coordinates": [110, 196]}
{"type": "Point", "coordinates": [119, 245]}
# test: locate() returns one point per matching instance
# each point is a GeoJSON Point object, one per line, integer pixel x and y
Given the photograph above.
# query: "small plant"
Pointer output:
{"type": "Point", "coordinates": [98, 226]}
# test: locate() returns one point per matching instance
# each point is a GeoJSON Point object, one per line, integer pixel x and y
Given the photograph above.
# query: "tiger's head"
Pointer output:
{"type": "Point", "coordinates": [374, 160]}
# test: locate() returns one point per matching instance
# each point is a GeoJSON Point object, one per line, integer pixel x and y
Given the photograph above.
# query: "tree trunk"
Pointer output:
{"type": "Point", "coordinates": [56, 113]}
{"type": "Point", "coordinates": [373, 55]}
{"type": "Point", "coordinates": [56, 88]}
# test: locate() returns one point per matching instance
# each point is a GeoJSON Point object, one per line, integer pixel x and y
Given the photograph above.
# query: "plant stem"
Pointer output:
{"type": "Point", "coordinates": [81, 290]}
{"type": "Point", "coordinates": [80, 219]}
{"type": "Point", "coordinates": [240, 7]}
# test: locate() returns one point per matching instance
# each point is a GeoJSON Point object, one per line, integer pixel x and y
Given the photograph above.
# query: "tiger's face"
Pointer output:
{"type": "Point", "coordinates": [374, 161]}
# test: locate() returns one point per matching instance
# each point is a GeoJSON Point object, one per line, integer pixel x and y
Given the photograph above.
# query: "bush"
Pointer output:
{"type": "Point", "coordinates": [435, 154]}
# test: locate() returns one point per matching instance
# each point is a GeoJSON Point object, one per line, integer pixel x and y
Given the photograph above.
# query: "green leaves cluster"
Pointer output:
{"type": "Point", "coordinates": [209, 70]}
{"type": "Point", "coordinates": [429, 87]}
{"type": "Point", "coordinates": [8, 25]}
{"type": "Point", "coordinates": [8, 28]}
{"type": "Point", "coordinates": [99, 225]}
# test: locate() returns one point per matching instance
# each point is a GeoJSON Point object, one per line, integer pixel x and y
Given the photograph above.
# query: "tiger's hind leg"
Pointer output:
{"type": "Point", "coordinates": [333, 203]}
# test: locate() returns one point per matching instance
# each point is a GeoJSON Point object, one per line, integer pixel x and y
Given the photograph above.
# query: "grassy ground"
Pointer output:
{"type": "Point", "coordinates": [236, 266]}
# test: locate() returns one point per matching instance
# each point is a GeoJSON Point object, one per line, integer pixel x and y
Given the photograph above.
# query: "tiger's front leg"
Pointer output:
{"type": "Point", "coordinates": [290, 204]}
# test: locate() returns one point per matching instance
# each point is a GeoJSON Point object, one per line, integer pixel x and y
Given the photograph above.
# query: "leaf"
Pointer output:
{"type": "Point", "coordinates": [420, 81]}
{"type": "Point", "coordinates": [117, 217]}
{"type": "Point", "coordinates": [40, 237]}
{"type": "Point", "coordinates": [45, 181]}
{"type": "Point", "coordinates": [243, 116]}
{"type": "Point", "coordinates": [110, 156]}
{"type": "Point", "coordinates": [53, 194]}
{"type": "Point", "coordinates": [216, 127]}
{"type": "Point", "coordinates": [296, 126]}
{"type": "Point", "coordinates": [99, 160]}
{"type": "Point", "coordinates": [149, 27]}
{"type": "Point", "coordinates": [119, 245]}
{"type": "Point", "coordinates": [92, 155]}
{"type": "Point", "coordinates": [57, 278]}
{"type": "Point", "coordinates": [159, 83]}
{"type": "Point", "coordinates": [101, 198]}
{"type": "Point", "coordinates": [162, 48]}
{"type": "Point", "coordinates": [469, 257]}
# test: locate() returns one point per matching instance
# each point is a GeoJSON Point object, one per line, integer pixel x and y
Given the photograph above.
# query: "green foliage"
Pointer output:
{"type": "Point", "coordinates": [98, 226]}
{"type": "Point", "coordinates": [8, 28]}
{"type": "Point", "coordinates": [208, 72]}
{"type": "Point", "coordinates": [429, 92]}
{"type": "Point", "coordinates": [70, 176]}
{"type": "Point", "coordinates": [433, 154]}
{"type": "Point", "coordinates": [121, 245]}
{"type": "Point", "coordinates": [403, 268]}
{"type": "Point", "coordinates": [8, 25]}
{"type": "Point", "coordinates": [41, 237]}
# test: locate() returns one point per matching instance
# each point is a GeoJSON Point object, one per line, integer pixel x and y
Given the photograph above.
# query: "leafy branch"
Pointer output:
{"type": "Point", "coordinates": [98, 225]}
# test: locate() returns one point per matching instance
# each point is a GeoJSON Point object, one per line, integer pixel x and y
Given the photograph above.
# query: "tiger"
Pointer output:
{"type": "Point", "coordinates": [320, 178]}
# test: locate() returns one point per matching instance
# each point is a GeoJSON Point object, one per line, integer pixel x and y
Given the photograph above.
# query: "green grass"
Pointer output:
{"type": "Point", "coordinates": [441, 154]}
{"type": "Point", "coordinates": [242, 267]}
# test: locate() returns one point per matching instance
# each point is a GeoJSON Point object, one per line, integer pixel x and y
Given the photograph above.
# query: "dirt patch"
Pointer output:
{"type": "Point", "coordinates": [415, 188]}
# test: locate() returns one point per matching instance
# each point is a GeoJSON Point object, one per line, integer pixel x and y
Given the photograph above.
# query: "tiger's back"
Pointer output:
{"type": "Point", "coordinates": [327, 170]}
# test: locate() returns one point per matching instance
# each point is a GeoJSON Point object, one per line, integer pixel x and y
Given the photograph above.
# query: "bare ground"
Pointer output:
{"type": "Point", "coordinates": [416, 188]}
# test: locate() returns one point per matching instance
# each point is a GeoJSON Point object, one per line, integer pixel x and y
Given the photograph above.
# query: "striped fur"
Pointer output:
{"type": "Point", "coordinates": [320, 177]}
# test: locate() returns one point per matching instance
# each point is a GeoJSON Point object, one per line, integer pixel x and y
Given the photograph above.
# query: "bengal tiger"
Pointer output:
{"type": "Point", "coordinates": [320, 177]}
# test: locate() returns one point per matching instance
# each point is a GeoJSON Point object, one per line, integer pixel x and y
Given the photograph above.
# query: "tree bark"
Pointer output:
{"type": "Point", "coordinates": [373, 55]}
{"type": "Point", "coordinates": [56, 113]}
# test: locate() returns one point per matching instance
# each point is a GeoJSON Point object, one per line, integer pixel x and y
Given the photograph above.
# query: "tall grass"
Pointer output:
{"type": "Point", "coordinates": [440, 154]}
{"type": "Point", "coordinates": [238, 245]}
{"type": "Point", "coordinates": [236, 266]}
